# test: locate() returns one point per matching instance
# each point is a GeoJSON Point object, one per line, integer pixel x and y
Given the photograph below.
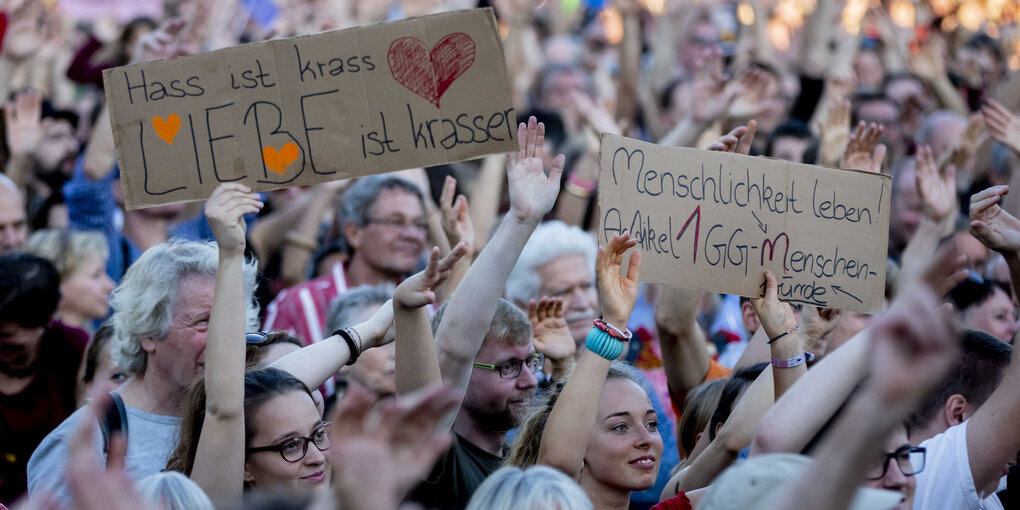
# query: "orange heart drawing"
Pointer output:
{"type": "Point", "coordinates": [278, 161]}
{"type": "Point", "coordinates": [167, 129]}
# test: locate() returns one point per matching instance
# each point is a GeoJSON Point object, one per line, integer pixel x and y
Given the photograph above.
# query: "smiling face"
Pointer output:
{"type": "Point", "coordinates": [570, 277]}
{"type": "Point", "coordinates": [280, 421]}
{"type": "Point", "coordinates": [625, 447]}
{"type": "Point", "coordinates": [180, 356]}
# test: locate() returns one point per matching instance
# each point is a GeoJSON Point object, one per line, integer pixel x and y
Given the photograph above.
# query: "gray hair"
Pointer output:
{"type": "Point", "coordinates": [358, 200]}
{"type": "Point", "coordinates": [9, 184]}
{"type": "Point", "coordinates": [509, 324]}
{"type": "Point", "coordinates": [173, 491]}
{"type": "Point", "coordinates": [551, 240]}
{"type": "Point", "coordinates": [535, 488]}
{"type": "Point", "coordinates": [345, 308]}
{"type": "Point", "coordinates": [144, 302]}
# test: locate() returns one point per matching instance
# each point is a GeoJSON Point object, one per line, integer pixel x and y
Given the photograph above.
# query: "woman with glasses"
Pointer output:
{"type": "Point", "coordinates": [599, 426]}
{"type": "Point", "coordinates": [261, 429]}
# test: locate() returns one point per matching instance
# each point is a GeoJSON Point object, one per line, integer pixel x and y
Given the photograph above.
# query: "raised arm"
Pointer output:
{"type": "Point", "coordinates": [459, 229]}
{"type": "Point", "coordinates": [316, 363]}
{"type": "Point", "coordinates": [416, 361]}
{"type": "Point", "coordinates": [992, 435]}
{"type": "Point", "coordinates": [552, 335]}
{"type": "Point", "coordinates": [913, 347]}
{"type": "Point", "coordinates": [219, 458]}
{"type": "Point", "coordinates": [685, 356]}
{"type": "Point", "coordinates": [472, 307]}
{"type": "Point", "coordinates": [566, 434]}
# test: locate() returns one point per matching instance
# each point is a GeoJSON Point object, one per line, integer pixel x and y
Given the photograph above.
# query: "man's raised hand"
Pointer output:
{"type": "Point", "coordinates": [549, 327]}
{"type": "Point", "coordinates": [226, 209]}
{"type": "Point", "coordinates": [419, 290]}
{"type": "Point", "coordinates": [994, 227]}
{"type": "Point", "coordinates": [532, 192]}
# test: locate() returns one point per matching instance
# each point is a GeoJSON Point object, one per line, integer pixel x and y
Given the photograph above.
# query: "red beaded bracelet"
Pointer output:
{"type": "Point", "coordinates": [613, 331]}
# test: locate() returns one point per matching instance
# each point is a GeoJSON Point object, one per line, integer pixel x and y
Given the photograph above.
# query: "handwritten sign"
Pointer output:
{"type": "Point", "coordinates": [299, 111]}
{"type": "Point", "coordinates": [717, 221]}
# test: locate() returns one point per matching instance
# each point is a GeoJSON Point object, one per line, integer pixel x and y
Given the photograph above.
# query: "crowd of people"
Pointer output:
{"type": "Point", "coordinates": [456, 337]}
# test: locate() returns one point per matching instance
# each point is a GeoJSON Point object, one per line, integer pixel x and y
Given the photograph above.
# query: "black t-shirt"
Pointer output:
{"type": "Point", "coordinates": [455, 476]}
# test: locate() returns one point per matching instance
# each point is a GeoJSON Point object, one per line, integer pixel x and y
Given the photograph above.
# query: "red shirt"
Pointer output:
{"type": "Point", "coordinates": [301, 310]}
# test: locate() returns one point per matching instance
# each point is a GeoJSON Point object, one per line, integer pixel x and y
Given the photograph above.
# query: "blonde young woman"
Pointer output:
{"type": "Point", "coordinates": [599, 428]}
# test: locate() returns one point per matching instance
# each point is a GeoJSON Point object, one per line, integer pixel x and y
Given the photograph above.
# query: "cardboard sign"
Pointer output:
{"type": "Point", "coordinates": [299, 111]}
{"type": "Point", "coordinates": [717, 221]}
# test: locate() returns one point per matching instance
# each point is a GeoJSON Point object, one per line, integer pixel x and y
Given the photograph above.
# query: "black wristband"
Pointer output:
{"type": "Point", "coordinates": [351, 345]}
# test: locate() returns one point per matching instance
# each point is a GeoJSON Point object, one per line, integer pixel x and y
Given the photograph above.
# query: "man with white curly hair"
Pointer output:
{"type": "Point", "coordinates": [161, 314]}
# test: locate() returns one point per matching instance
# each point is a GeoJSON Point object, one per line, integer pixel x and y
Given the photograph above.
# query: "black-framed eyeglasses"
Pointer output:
{"type": "Point", "coordinates": [910, 460]}
{"type": "Point", "coordinates": [396, 223]}
{"type": "Point", "coordinates": [294, 449]}
{"type": "Point", "coordinates": [511, 368]}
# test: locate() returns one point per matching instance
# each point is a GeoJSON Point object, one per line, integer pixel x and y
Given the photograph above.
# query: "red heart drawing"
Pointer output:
{"type": "Point", "coordinates": [430, 73]}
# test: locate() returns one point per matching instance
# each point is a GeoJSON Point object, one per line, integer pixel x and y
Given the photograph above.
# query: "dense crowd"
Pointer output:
{"type": "Point", "coordinates": [456, 337]}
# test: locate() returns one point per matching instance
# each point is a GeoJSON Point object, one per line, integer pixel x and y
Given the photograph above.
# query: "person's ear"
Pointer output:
{"type": "Point", "coordinates": [697, 437]}
{"type": "Point", "coordinates": [718, 427]}
{"type": "Point", "coordinates": [955, 408]}
{"type": "Point", "coordinates": [353, 234]}
{"type": "Point", "coordinates": [751, 322]}
{"type": "Point", "coordinates": [249, 477]}
{"type": "Point", "coordinates": [118, 193]}
{"type": "Point", "coordinates": [148, 344]}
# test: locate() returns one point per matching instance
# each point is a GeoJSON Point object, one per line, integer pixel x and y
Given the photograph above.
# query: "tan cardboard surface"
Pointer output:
{"type": "Point", "coordinates": [299, 111]}
{"type": "Point", "coordinates": [717, 221]}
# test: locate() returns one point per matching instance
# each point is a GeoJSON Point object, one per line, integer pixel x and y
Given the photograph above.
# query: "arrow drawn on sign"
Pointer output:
{"type": "Point", "coordinates": [764, 228]}
{"type": "Point", "coordinates": [837, 288]}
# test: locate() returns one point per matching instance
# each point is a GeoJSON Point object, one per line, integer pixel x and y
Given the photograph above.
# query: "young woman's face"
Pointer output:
{"type": "Point", "coordinates": [284, 420]}
{"type": "Point", "coordinates": [894, 479]}
{"type": "Point", "coordinates": [625, 447]}
{"type": "Point", "coordinates": [86, 292]}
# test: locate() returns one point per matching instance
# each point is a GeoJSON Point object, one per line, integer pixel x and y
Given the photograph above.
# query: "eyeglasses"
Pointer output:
{"type": "Point", "coordinates": [910, 459]}
{"type": "Point", "coordinates": [294, 449]}
{"type": "Point", "coordinates": [398, 224]}
{"type": "Point", "coordinates": [260, 337]}
{"type": "Point", "coordinates": [511, 368]}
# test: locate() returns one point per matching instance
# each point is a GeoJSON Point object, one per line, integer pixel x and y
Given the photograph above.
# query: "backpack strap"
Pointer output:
{"type": "Point", "coordinates": [115, 418]}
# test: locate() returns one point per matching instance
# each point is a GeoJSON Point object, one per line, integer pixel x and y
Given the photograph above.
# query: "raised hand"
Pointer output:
{"type": "Point", "coordinates": [994, 227]}
{"type": "Point", "coordinates": [775, 316]}
{"type": "Point", "coordinates": [746, 93]}
{"type": "Point", "coordinates": [618, 294]}
{"type": "Point", "coordinates": [938, 192]}
{"type": "Point", "coordinates": [532, 192]}
{"type": "Point", "coordinates": [913, 345]}
{"type": "Point", "coordinates": [159, 44]}
{"type": "Point", "coordinates": [549, 327]}
{"type": "Point", "coordinates": [226, 209]}
{"type": "Point", "coordinates": [456, 217]}
{"type": "Point", "coordinates": [928, 62]}
{"type": "Point", "coordinates": [23, 117]}
{"type": "Point", "coordinates": [397, 437]}
{"type": "Point", "coordinates": [593, 113]}
{"type": "Point", "coordinates": [738, 140]}
{"type": "Point", "coordinates": [676, 307]}
{"type": "Point", "coordinates": [816, 323]}
{"type": "Point", "coordinates": [834, 132]}
{"type": "Point", "coordinates": [419, 290]}
{"type": "Point", "coordinates": [1002, 124]}
{"type": "Point", "coordinates": [863, 152]}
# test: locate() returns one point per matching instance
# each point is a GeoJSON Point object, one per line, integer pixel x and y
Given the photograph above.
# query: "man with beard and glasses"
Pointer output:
{"type": "Point", "coordinates": [38, 364]}
{"type": "Point", "coordinates": [483, 344]}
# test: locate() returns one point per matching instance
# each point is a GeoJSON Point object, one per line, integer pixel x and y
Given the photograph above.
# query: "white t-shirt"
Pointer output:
{"type": "Point", "coordinates": [946, 481]}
